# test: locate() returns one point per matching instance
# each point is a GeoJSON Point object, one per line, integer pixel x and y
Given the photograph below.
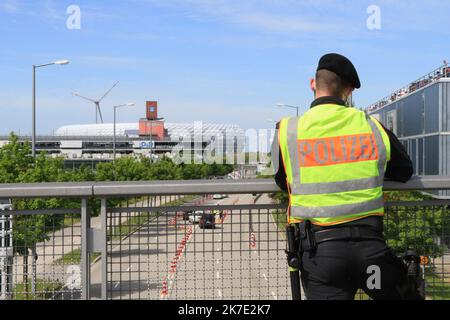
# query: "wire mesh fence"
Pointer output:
{"type": "Point", "coordinates": [218, 250]}
{"type": "Point", "coordinates": [40, 255]}
{"type": "Point", "coordinates": [425, 227]}
{"type": "Point", "coordinates": [175, 253]}
{"type": "Point", "coordinates": [184, 247]}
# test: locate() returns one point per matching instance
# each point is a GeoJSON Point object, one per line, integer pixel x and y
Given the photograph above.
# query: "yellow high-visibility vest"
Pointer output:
{"type": "Point", "coordinates": [334, 158]}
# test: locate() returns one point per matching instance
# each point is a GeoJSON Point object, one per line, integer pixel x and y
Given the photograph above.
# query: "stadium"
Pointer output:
{"type": "Point", "coordinates": [150, 137]}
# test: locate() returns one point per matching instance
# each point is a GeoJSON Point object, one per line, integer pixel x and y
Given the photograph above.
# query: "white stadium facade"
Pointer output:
{"type": "Point", "coordinates": [94, 142]}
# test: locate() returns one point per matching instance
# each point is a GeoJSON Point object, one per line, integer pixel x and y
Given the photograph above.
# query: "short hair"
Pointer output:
{"type": "Point", "coordinates": [329, 81]}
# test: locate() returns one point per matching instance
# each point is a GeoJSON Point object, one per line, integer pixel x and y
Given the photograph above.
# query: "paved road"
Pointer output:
{"type": "Point", "coordinates": [242, 258]}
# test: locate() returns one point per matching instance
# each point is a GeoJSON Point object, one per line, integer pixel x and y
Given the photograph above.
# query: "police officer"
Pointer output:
{"type": "Point", "coordinates": [332, 161]}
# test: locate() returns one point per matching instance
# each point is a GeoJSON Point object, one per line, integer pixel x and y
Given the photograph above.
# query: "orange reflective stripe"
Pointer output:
{"type": "Point", "coordinates": [336, 150]}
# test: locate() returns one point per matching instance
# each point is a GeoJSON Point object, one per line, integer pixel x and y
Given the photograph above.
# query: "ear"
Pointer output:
{"type": "Point", "coordinates": [350, 91]}
{"type": "Point", "coordinates": [312, 84]}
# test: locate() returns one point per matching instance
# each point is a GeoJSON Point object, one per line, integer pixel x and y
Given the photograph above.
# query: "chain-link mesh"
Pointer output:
{"type": "Point", "coordinates": [191, 247]}
{"type": "Point", "coordinates": [175, 253]}
{"type": "Point", "coordinates": [40, 255]}
{"type": "Point", "coordinates": [423, 226]}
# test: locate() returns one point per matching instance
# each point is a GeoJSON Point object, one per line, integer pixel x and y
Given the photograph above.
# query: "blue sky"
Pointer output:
{"type": "Point", "coordinates": [222, 61]}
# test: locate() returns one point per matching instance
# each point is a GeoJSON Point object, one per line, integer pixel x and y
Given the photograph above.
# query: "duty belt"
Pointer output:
{"type": "Point", "coordinates": [310, 239]}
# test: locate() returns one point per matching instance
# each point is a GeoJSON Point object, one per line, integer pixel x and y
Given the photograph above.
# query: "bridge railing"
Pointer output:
{"type": "Point", "coordinates": [147, 240]}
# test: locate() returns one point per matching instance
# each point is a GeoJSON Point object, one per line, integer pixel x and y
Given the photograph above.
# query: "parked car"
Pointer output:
{"type": "Point", "coordinates": [207, 220]}
{"type": "Point", "coordinates": [195, 216]}
{"type": "Point", "coordinates": [219, 196]}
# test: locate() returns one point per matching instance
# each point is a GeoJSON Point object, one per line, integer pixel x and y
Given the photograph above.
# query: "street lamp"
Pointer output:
{"type": "Point", "coordinates": [131, 104]}
{"type": "Point", "coordinates": [281, 105]}
{"type": "Point", "coordinates": [33, 137]}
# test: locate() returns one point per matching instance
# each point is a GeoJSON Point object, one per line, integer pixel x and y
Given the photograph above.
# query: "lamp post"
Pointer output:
{"type": "Point", "coordinates": [281, 105]}
{"type": "Point", "coordinates": [33, 134]}
{"type": "Point", "coordinates": [114, 139]}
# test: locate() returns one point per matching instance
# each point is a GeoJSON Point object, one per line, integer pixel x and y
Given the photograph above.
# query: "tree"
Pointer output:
{"type": "Point", "coordinates": [15, 158]}
{"type": "Point", "coordinates": [18, 166]}
{"type": "Point", "coordinates": [414, 227]}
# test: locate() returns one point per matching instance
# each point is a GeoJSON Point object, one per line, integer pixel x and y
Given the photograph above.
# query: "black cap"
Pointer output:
{"type": "Point", "coordinates": [340, 65]}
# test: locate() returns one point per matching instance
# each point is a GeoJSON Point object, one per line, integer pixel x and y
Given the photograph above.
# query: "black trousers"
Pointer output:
{"type": "Point", "coordinates": [337, 269]}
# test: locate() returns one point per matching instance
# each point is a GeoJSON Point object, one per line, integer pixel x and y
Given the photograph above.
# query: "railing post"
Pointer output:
{"type": "Point", "coordinates": [85, 254]}
{"type": "Point", "coordinates": [104, 251]}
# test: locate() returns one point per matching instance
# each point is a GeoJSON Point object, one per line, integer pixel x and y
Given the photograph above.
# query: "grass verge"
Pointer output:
{"type": "Point", "coordinates": [74, 257]}
{"type": "Point", "coordinates": [280, 219]}
{"type": "Point", "coordinates": [44, 290]}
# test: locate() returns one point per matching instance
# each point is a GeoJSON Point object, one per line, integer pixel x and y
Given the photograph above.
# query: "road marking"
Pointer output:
{"type": "Point", "coordinates": [117, 283]}
{"type": "Point", "coordinates": [167, 286]}
{"type": "Point", "coordinates": [219, 293]}
{"type": "Point", "coordinates": [264, 275]}
{"type": "Point", "coordinates": [273, 294]}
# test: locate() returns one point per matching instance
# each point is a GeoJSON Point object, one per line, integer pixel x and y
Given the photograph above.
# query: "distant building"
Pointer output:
{"type": "Point", "coordinates": [94, 139]}
{"type": "Point", "coordinates": [419, 115]}
{"type": "Point", "coordinates": [151, 137]}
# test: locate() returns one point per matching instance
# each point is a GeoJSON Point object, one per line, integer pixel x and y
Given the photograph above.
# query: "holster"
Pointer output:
{"type": "Point", "coordinates": [307, 241]}
{"type": "Point", "coordinates": [294, 259]}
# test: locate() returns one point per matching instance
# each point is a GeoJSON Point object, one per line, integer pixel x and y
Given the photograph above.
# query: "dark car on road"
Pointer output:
{"type": "Point", "coordinates": [208, 220]}
{"type": "Point", "coordinates": [186, 215]}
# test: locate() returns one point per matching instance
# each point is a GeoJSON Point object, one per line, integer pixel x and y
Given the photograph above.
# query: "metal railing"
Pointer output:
{"type": "Point", "coordinates": [431, 77]}
{"type": "Point", "coordinates": [137, 240]}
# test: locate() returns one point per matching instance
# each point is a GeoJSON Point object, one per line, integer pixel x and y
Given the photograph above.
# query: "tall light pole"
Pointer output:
{"type": "Point", "coordinates": [281, 105]}
{"type": "Point", "coordinates": [33, 135]}
{"type": "Point", "coordinates": [114, 139]}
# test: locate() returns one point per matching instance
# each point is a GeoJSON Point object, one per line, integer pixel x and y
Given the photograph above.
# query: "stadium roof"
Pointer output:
{"type": "Point", "coordinates": [124, 129]}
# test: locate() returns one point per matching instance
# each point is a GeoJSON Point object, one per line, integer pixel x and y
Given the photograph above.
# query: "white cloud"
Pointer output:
{"type": "Point", "coordinates": [113, 61]}
{"type": "Point", "coordinates": [9, 6]}
{"type": "Point", "coordinates": [251, 14]}
{"type": "Point", "coordinates": [42, 9]}
{"type": "Point", "coordinates": [276, 23]}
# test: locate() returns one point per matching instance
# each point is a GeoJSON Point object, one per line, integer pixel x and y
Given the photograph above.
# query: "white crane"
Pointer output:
{"type": "Point", "coordinates": [98, 111]}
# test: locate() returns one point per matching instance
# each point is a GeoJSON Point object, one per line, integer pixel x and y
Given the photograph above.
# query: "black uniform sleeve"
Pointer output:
{"type": "Point", "coordinates": [400, 167]}
{"type": "Point", "coordinates": [280, 175]}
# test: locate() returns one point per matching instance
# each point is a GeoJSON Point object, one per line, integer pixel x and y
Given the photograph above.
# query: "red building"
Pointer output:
{"type": "Point", "coordinates": [152, 125]}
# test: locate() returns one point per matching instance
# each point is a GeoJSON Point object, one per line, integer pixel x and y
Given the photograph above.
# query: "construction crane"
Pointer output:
{"type": "Point", "coordinates": [98, 111]}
